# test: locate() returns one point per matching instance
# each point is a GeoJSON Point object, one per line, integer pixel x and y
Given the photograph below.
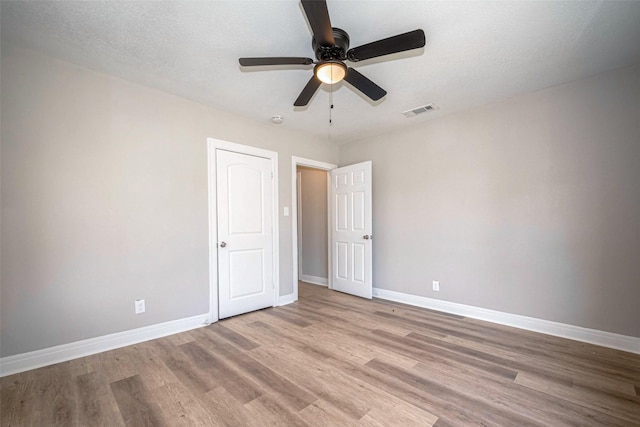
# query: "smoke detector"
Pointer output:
{"type": "Point", "coordinates": [419, 110]}
{"type": "Point", "coordinates": [276, 120]}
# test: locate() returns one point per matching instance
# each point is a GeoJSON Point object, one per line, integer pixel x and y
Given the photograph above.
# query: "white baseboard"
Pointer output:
{"type": "Point", "coordinates": [593, 336]}
{"type": "Point", "coordinates": [286, 299]}
{"type": "Point", "coordinates": [314, 280]}
{"type": "Point", "coordinates": [61, 353]}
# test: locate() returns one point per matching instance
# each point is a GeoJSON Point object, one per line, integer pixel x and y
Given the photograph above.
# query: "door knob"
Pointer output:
{"type": "Point", "coordinates": [223, 244]}
{"type": "Point", "coordinates": [367, 237]}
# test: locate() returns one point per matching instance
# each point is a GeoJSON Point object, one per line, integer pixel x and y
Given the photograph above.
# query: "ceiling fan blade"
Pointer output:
{"type": "Point", "coordinates": [250, 62]}
{"type": "Point", "coordinates": [308, 92]}
{"type": "Point", "coordinates": [318, 16]}
{"type": "Point", "coordinates": [364, 85]}
{"type": "Point", "coordinates": [407, 41]}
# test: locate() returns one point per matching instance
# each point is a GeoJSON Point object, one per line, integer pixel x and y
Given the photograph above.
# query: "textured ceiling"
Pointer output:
{"type": "Point", "coordinates": [477, 52]}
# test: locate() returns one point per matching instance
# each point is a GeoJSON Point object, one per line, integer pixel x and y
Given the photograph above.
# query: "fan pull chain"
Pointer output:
{"type": "Point", "coordinates": [330, 109]}
{"type": "Point", "coordinates": [330, 106]}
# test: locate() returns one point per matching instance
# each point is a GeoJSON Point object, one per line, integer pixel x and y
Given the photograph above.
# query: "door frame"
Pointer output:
{"type": "Point", "coordinates": [218, 144]}
{"type": "Point", "coordinates": [298, 219]}
{"type": "Point", "coordinates": [295, 162]}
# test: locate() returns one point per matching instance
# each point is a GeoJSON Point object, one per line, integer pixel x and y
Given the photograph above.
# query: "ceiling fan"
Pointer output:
{"type": "Point", "coordinates": [331, 46]}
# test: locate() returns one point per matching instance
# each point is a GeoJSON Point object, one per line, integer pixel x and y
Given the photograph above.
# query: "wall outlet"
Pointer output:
{"type": "Point", "coordinates": [436, 285]}
{"type": "Point", "coordinates": [139, 306]}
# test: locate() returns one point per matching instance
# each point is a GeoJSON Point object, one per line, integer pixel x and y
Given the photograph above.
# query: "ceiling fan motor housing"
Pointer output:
{"type": "Point", "coordinates": [337, 51]}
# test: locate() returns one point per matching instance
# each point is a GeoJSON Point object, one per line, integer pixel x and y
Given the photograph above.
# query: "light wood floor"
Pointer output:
{"type": "Point", "coordinates": [332, 359]}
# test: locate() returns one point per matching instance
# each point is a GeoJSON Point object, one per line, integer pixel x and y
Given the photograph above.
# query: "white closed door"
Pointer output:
{"type": "Point", "coordinates": [245, 236]}
{"type": "Point", "coordinates": [351, 229]}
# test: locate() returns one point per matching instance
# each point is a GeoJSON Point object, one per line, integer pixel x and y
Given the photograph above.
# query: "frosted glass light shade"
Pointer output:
{"type": "Point", "coordinates": [330, 72]}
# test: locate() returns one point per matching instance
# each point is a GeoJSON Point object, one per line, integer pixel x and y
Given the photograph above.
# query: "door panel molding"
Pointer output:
{"type": "Point", "coordinates": [217, 144]}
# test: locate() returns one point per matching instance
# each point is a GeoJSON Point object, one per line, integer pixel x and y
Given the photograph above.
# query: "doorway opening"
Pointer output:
{"type": "Point", "coordinates": [313, 223]}
{"type": "Point", "coordinates": [310, 222]}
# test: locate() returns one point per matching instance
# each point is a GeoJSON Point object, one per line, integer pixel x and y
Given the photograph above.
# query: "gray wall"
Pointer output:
{"type": "Point", "coordinates": [104, 200]}
{"type": "Point", "coordinates": [528, 206]}
{"type": "Point", "coordinates": [314, 225]}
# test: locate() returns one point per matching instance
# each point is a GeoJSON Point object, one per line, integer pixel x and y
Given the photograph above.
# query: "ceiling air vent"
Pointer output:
{"type": "Point", "coordinates": [419, 110]}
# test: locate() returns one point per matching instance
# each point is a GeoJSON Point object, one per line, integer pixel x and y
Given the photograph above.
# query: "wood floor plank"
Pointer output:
{"type": "Point", "coordinates": [17, 399]}
{"type": "Point", "coordinates": [335, 389]}
{"type": "Point", "coordinates": [401, 417]}
{"type": "Point", "coordinates": [148, 362]}
{"type": "Point", "coordinates": [234, 338]}
{"type": "Point", "coordinates": [424, 351]}
{"type": "Point", "coordinates": [96, 404]}
{"type": "Point", "coordinates": [369, 421]}
{"type": "Point", "coordinates": [323, 342]}
{"type": "Point", "coordinates": [189, 373]}
{"type": "Point", "coordinates": [289, 317]}
{"type": "Point", "coordinates": [568, 375]}
{"type": "Point", "coordinates": [221, 373]}
{"type": "Point", "coordinates": [628, 410]}
{"type": "Point", "coordinates": [573, 375]}
{"type": "Point", "coordinates": [229, 411]}
{"type": "Point", "coordinates": [114, 364]}
{"type": "Point", "coordinates": [353, 317]}
{"type": "Point", "coordinates": [135, 405]}
{"type": "Point", "coordinates": [482, 411]}
{"type": "Point", "coordinates": [56, 397]}
{"type": "Point", "coordinates": [448, 412]}
{"type": "Point", "coordinates": [327, 385]}
{"type": "Point", "coordinates": [503, 392]}
{"type": "Point", "coordinates": [340, 338]}
{"type": "Point", "coordinates": [180, 407]}
{"type": "Point", "coordinates": [291, 394]}
{"type": "Point", "coordinates": [82, 365]}
{"type": "Point", "coordinates": [283, 337]}
{"type": "Point", "coordinates": [263, 329]}
{"type": "Point", "coordinates": [418, 340]}
{"type": "Point", "coordinates": [272, 413]}
{"type": "Point", "coordinates": [181, 338]}
{"type": "Point", "coordinates": [321, 414]}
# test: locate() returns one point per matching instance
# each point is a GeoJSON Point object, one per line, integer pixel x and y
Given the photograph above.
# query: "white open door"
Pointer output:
{"type": "Point", "coordinates": [351, 229]}
{"type": "Point", "coordinates": [245, 235]}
